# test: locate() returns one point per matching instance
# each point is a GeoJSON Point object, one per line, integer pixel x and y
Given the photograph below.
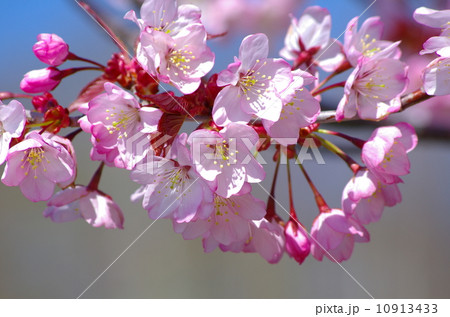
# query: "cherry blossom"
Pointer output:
{"type": "Point", "coordinates": [252, 84]}
{"type": "Point", "coordinates": [229, 222]}
{"type": "Point", "coordinates": [165, 16]}
{"type": "Point", "coordinates": [365, 196]}
{"type": "Point", "coordinates": [308, 41]}
{"type": "Point", "coordinates": [180, 61]}
{"type": "Point", "coordinates": [435, 78]}
{"type": "Point", "coordinates": [51, 49]}
{"type": "Point", "coordinates": [373, 89]}
{"type": "Point", "coordinates": [172, 188]}
{"type": "Point", "coordinates": [432, 18]}
{"type": "Point", "coordinates": [367, 41]}
{"type": "Point", "coordinates": [116, 119]}
{"type": "Point", "coordinates": [385, 153]}
{"type": "Point", "coordinates": [202, 180]}
{"type": "Point", "coordinates": [12, 122]}
{"type": "Point", "coordinates": [36, 165]}
{"type": "Point", "coordinates": [266, 238]}
{"type": "Point", "coordinates": [300, 109]}
{"type": "Point", "coordinates": [172, 43]}
{"type": "Point", "coordinates": [225, 157]}
{"type": "Point", "coordinates": [95, 207]}
{"type": "Point", "coordinates": [333, 234]}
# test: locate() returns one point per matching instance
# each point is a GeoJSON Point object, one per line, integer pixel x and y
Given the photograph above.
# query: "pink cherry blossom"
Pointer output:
{"type": "Point", "coordinates": [299, 111]}
{"type": "Point", "coordinates": [385, 153]}
{"type": "Point", "coordinates": [36, 165]}
{"type": "Point", "coordinates": [229, 222]}
{"type": "Point", "coordinates": [95, 207]}
{"type": "Point", "coordinates": [225, 157]}
{"type": "Point", "coordinates": [298, 244]}
{"type": "Point", "coordinates": [12, 122]}
{"type": "Point", "coordinates": [308, 41]}
{"type": "Point", "coordinates": [436, 79]}
{"type": "Point", "coordinates": [333, 234]}
{"type": "Point", "coordinates": [110, 156]}
{"type": "Point", "coordinates": [51, 49]}
{"type": "Point", "coordinates": [181, 61]}
{"type": "Point", "coordinates": [252, 84]}
{"type": "Point", "coordinates": [165, 16]}
{"type": "Point", "coordinates": [438, 44]}
{"type": "Point", "coordinates": [268, 240]}
{"type": "Point", "coordinates": [117, 121]}
{"type": "Point", "coordinates": [435, 19]}
{"type": "Point", "coordinates": [172, 43]}
{"type": "Point", "coordinates": [432, 18]}
{"type": "Point", "coordinates": [41, 80]}
{"type": "Point", "coordinates": [367, 41]}
{"type": "Point", "coordinates": [172, 188]}
{"type": "Point", "coordinates": [365, 196]}
{"type": "Point", "coordinates": [374, 88]}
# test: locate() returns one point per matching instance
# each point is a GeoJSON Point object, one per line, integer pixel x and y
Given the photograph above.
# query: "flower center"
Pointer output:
{"type": "Point", "coordinates": [366, 46]}
{"type": "Point", "coordinates": [253, 81]}
{"type": "Point", "coordinates": [163, 26]}
{"type": "Point", "coordinates": [180, 59]}
{"type": "Point", "coordinates": [35, 157]}
{"type": "Point", "coordinates": [122, 120]}
{"type": "Point", "coordinates": [223, 208]}
{"type": "Point", "coordinates": [223, 154]}
{"type": "Point", "coordinates": [173, 179]}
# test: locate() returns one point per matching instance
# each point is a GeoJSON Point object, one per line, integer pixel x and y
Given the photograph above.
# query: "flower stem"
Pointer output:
{"type": "Point", "coordinates": [336, 85]}
{"type": "Point", "coordinates": [358, 142]}
{"type": "Point", "coordinates": [291, 200]}
{"type": "Point", "coordinates": [93, 184]}
{"type": "Point", "coordinates": [73, 134]}
{"type": "Point", "coordinates": [321, 204]}
{"type": "Point", "coordinates": [74, 57]}
{"type": "Point", "coordinates": [336, 150]}
{"type": "Point", "coordinates": [70, 71]}
{"type": "Point", "coordinates": [271, 200]}
{"type": "Point", "coordinates": [344, 66]}
{"type": "Point", "coordinates": [10, 95]}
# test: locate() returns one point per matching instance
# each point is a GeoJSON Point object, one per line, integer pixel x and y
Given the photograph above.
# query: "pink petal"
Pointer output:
{"type": "Point", "coordinates": [37, 187]}
{"type": "Point", "coordinates": [253, 47]}
{"type": "Point", "coordinates": [225, 104]}
{"type": "Point", "coordinates": [158, 13]}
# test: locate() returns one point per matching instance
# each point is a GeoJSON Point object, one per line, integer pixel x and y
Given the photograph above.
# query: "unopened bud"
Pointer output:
{"type": "Point", "coordinates": [51, 49]}
{"type": "Point", "coordinates": [41, 80]}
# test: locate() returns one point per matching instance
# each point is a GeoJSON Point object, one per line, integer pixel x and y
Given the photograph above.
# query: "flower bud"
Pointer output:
{"type": "Point", "coordinates": [51, 49]}
{"type": "Point", "coordinates": [41, 80]}
{"type": "Point", "coordinates": [297, 241]}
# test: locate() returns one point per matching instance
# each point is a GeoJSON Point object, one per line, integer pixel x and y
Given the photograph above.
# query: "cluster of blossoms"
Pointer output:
{"type": "Point", "coordinates": [202, 181]}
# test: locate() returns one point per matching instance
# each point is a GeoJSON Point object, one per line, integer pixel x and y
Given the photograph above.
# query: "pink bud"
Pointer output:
{"type": "Point", "coordinates": [41, 80]}
{"type": "Point", "coordinates": [51, 49]}
{"type": "Point", "coordinates": [297, 241]}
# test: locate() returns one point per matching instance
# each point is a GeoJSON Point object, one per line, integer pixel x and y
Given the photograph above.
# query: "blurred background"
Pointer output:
{"type": "Point", "coordinates": [408, 256]}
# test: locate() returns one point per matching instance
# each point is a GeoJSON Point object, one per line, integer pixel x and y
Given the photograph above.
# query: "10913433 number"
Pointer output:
{"type": "Point", "coordinates": [407, 308]}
